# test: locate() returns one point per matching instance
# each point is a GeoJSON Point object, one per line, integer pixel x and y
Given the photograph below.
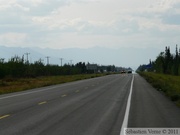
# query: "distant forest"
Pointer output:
{"type": "Point", "coordinates": [17, 67]}
{"type": "Point", "coordinates": [166, 63]}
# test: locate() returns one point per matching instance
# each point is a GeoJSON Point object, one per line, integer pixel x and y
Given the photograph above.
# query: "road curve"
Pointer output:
{"type": "Point", "coordinates": [88, 107]}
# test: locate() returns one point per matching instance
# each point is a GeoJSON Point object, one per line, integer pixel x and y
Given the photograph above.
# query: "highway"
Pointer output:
{"type": "Point", "coordinates": [97, 106]}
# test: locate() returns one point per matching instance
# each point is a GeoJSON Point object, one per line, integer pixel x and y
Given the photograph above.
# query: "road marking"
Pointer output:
{"type": "Point", "coordinates": [41, 103]}
{"type": "Point", "coordinates": [5, 116]}
{"type": "Point", "coordinates": [64, 95]}
{"type": "Point", "coordinates": [26, 93]}
{"type": "Point", "coordinates": [125, 121]}
{"type": "Point", "coordinates": [77, 91]}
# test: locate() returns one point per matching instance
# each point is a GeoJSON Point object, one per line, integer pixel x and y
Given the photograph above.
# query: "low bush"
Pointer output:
{"type": "Point", "coordinates": [21, 84]}
{"type": "Point", "coordinates": [169, 84]}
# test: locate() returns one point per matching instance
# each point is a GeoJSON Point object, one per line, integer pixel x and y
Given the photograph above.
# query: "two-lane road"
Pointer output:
{"type": "Point", "coordinates": [89, 107]}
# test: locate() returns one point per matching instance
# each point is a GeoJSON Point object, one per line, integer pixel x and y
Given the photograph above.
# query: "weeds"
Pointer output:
{"type": "Point", "coordinates": [9, 84]}
{"type": "Point", "coordinates": [169, 84]}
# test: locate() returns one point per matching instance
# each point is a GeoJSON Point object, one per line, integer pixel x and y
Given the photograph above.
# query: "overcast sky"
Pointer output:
{"type": "Point", "coordinates": [88, 23]}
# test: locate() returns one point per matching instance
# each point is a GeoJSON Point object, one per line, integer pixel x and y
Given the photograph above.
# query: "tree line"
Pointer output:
{"type": "Point", "coordinates": [166, 63]}
{"type": "Point", "coordinates": [17, 67]}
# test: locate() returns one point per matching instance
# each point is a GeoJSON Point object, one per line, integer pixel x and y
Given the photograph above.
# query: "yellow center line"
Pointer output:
{"type": "Point", "coordinates": [44, 102]}
{"type": "Point", "coordinates": [4, 116]}
{"type": "Point", "coordinates": [77, 91]}
{"type": "Point", "coordinates": [64, 95]}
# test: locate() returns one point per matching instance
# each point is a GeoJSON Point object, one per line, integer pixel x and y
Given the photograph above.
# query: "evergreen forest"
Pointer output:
{"type": "Point", "coordinates": [165, 63]}
{"type": "Point", "coordinates": [18, 67]}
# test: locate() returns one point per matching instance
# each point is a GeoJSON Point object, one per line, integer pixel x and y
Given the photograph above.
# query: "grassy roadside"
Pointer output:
{"type": "Point", "coordinates": [9, 85]}
{"type": "Point", "coordinates": [169, 84]}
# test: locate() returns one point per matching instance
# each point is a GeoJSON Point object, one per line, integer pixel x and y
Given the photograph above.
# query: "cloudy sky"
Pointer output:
{"type": "Point", "coordinates": [87, 23]}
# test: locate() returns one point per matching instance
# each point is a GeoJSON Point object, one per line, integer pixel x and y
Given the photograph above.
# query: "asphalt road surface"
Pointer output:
{"type": "Point", "coordinates": [98, 106]}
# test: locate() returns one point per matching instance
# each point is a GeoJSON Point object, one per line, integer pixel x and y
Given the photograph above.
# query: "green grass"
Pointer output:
{"type": "Point", "coordinates": [169, 84]}
{"type": "Point", "coordinates": [9, 85]}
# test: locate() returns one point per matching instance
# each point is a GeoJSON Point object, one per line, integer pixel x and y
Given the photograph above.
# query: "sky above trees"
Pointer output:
{"type": "Point", "coordinates": [88, 23]}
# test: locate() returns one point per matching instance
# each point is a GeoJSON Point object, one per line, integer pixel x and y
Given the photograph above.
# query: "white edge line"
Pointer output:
{"type": "Point", "coordinates": [125, 121]}
{"type": "Point", "coordinates": [25, 93]}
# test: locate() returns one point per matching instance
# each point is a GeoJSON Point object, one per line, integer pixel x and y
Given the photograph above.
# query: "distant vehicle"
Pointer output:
{"type": "Point", "coordinates": [129, 72]}
{"type": "Point", "coordinates": [123, 71]}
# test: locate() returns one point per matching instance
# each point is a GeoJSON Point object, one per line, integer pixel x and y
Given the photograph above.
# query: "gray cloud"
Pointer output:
{"type": "Point", "coordinates": [88, 22]}
{"type": "Point", "coordinates": [172, 19]}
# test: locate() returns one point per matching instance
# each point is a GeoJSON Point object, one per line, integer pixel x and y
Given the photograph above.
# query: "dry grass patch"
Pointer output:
{"type": "Point", "coordinates": [9, 85]}
{"type": "Point", "coordinates": [169, 84]}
